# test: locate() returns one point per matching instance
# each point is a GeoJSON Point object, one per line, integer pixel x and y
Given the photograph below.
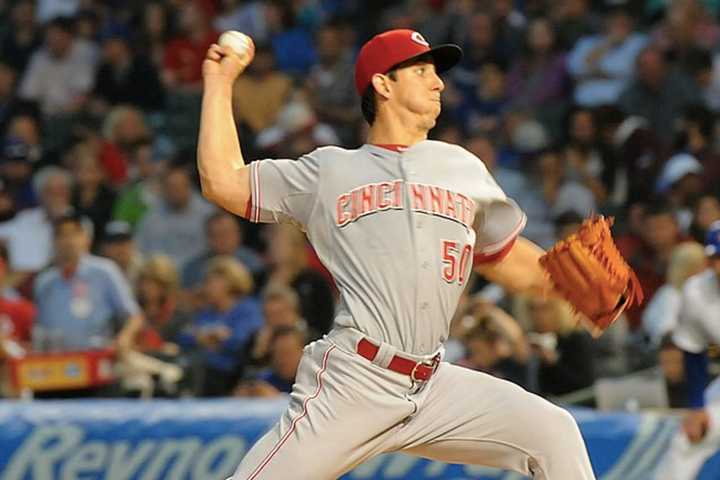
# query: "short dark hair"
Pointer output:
{"type": "Point", "coordinates": [73, 218]}
{"type": "Point", "coordinates": [219, 215]}
{"type": "Point", "coordinates": [368, 103]}
{"type": "Point", "coordinates": [703, 118]}
{"type": "Point", "coordinates": [659, 207]}
{"type": "Point", "coordinates": [66, 24]}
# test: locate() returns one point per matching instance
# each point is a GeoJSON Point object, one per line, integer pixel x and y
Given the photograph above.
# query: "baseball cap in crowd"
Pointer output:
{"type": "Point", "coordinates": [712, 240]}
{"type": "Point", "coordinates": [382, 52]}
{"type": "Point", "coordinates": [117, 231]}
{"type": "Point", "coordinates": [677, 167]}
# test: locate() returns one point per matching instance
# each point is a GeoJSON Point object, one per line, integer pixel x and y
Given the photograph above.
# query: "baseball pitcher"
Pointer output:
{"type": "Point", "coordinates": [399, 222]}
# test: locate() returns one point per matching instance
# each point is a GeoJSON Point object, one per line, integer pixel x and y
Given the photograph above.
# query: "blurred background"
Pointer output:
{"type": "Point", "coordinates": [576, 107]}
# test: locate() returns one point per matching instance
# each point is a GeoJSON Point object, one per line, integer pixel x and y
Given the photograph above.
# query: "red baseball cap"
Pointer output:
{"type": "Point", "coordinates": [384, 51]}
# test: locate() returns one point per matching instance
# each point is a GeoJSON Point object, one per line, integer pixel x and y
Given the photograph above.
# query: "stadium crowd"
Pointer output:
{"type": "Point", "coordinates": [576, 106]}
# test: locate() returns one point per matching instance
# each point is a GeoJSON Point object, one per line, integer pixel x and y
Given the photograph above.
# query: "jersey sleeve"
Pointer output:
{"type": "Point", "coordinates": [283, 190]}
{"type": "Point", "coordinates": [499, 222]}
{"type": "Point", "coordinates": [498, 219]}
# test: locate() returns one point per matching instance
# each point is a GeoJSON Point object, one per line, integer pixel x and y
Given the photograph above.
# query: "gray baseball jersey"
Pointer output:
{"type": "Point", "coordinates": [396, 229]}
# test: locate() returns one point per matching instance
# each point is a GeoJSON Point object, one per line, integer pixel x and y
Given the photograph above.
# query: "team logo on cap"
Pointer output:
{"type": "Point", "coordinates": [417, 38]}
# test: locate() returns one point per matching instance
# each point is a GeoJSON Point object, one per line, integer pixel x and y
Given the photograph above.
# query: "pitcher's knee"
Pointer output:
{"type": "Point", "coordinates": [563, 432]}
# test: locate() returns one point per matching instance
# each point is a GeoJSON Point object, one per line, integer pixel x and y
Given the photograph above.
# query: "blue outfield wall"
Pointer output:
{"type": "Point", "coordinates": [205, 439]}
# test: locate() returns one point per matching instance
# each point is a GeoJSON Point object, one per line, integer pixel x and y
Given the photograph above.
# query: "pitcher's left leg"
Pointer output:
{"type": "Point", "coordinates": [473, 418]}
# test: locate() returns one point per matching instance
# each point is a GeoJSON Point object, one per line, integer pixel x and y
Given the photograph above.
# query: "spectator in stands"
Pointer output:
{"type": "Point", "coordinates": [538, 79]}
{"type": "Point", "coordinates": [81, 297]}
{"type": "Point", "coordinates": [16, 166]}
{"type": "Point", "coordinates": [30, 234]}
{"type": "Point", "coordinates": [259, 94]}
{"type": "Point", "coordinates": [91, 197]}
{"type": "Point", "coordinates": [574, 21]}
{"type": "Point", "coordinates": [288, 257]}
{"type": "Point", "coordinates": [21, 37]}
{"type": "Point", "coordinates": [25, 126]}
{"type": "Point", "coordinates": [479, 42]}
{"type": "Point", "coordinates": [550, 192]}
{"type": "Point", "coordinates": [148, 160]}
{"type": "Point", "coordinates": [281, 308]}
{"type": "Point", "coordinates": [286, 349]}
{"type": "Point", "coordinates": [125, 77]}
{"type": "Point", "coordinates": [511, 25]}
{"type": "Point", "coordinates": [686, 25]}
{"type": "Point", "coordinates": [701, 67]}
{"type": "Point", "coordinates": [695, 134]}
{"type": "Point", "coordinates": [174, 227]}
{"type": "Point", "coordinates": [480, 109]}
{"type": "Point", "coordinates": [247, 17]}
{"type": "Point", "coordinates": [681, 183]}
{"type": "Point", "coordinates": [633, 150]}
{"type": "Point", "coordinates": [603, 64]}
{"type": "Point", "coordinates": [705, 213]}
{"type": "Point", "coordinates": [60, 75]}
{"type": "Point", "coordinates": [224, 237]}
{"type": "Point", "coordinates": [296, 131]}
{"type": "Point", "coordinates": [118, 245]}
{"type": "Point", "coordinates": [496, 344]}
{"type": "Point", "coordinates": [567, 223]}
{"type": "Point", "coordinates": [660, 94]}
{"type": "Point", "coordinates": [220, 333]}
{"type": "Point", "coordinates": [8, 99]}
{"type": "Point", "coordinates": [157, 288]}
{"type": "Point", "coordinates": [563, 348]}
{"type": "Point", "coordinates": [661, 315]}
{"type": "Point", "coordinates": [153, 32]}
{"type": "Point", "coordinates": [183, 56]}
{"type": "Point", "coordinates": [330, 83]}
{"type": "Point", "coordinates": [123, 128]}
{"type": "Point", "coordinates": [16, 314]}
{"type": "Point", "coordinates": [293, 45]}
{"type": "Point", "coordinates": [649, 257]}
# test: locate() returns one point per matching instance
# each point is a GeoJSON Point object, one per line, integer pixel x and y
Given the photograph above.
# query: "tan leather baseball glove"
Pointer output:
{"type": "Point", "coordinates": [588, 271]}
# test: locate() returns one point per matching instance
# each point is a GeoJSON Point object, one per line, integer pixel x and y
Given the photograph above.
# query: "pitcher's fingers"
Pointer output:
{"type": "Point", "coordinates": [215, 52]}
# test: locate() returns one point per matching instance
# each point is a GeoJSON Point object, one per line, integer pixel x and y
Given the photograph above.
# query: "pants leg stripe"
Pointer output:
{"type": "Point", "coordinates": [272, 453]}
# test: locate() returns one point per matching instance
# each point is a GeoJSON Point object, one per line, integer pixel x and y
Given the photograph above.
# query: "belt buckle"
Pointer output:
{"type": "Point", "coordinates": [432, 364]}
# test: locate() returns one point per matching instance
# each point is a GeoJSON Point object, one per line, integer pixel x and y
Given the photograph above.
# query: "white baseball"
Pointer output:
{"type": "Point", "coordinates": [238, 41]}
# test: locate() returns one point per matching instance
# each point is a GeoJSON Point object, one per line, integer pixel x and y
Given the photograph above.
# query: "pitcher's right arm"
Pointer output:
{"type": "Point", "coordinates": [224, 177]}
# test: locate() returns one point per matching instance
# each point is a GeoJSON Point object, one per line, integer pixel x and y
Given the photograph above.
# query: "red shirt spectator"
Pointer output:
{"type": "Point", "coordinates": [648, 253]}
{"type": "Point", "coordinates": [16, 318]}
{"type": "Point", "coordinates": [184, 55]}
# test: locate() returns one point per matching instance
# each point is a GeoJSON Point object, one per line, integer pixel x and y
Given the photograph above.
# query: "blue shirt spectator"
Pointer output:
{"type": "Point", "coordinates": [234, 328]}
{"type": "Point", "coordinates": [83, 299]}
{"type": "Point", "coordinates": [602, 65]}
{"type": "Point", "coordinates": [220, 332]}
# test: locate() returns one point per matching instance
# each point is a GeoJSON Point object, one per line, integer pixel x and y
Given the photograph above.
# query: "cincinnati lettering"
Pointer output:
{"type": "Point", "coordinates": [428, 199]}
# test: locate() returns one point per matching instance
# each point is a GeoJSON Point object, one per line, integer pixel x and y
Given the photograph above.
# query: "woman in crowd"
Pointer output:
{"type": "Point", "coordinates": [220, 332]}
{"type": "Point", "coordinates": [660, 317]}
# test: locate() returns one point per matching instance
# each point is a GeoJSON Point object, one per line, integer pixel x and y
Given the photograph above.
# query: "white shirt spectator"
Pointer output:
{"type": "Point", "coordinates": [614, 70]}
{"type": "Point", "coordinates": [57, 82]}
{"type": "Point", "coordinates": [30, 240]}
